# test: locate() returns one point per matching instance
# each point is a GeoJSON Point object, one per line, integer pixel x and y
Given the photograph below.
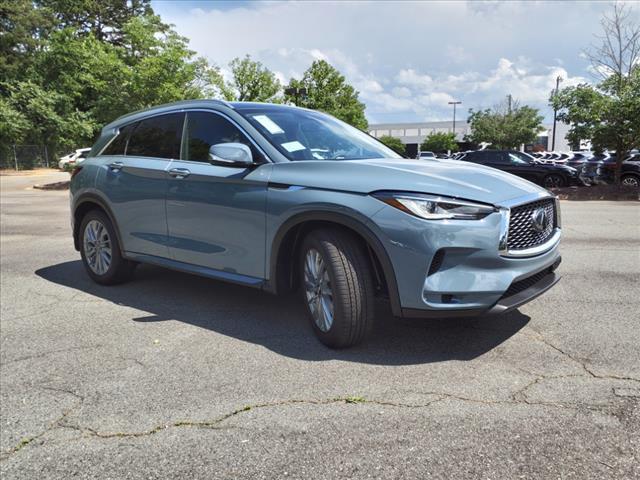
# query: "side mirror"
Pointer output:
{"type": "Point", "coordinates": [230, 155]}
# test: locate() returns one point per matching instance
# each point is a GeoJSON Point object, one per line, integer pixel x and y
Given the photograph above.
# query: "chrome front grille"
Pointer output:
{"type": "Point", "coordinates": [524, 231]}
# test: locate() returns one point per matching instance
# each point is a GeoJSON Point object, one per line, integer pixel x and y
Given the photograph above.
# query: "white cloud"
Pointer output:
{"type": "Point", "coordinates": [407, 59]}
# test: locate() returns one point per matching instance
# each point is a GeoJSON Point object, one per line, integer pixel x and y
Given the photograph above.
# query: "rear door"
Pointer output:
{"type": "Point", "coordinates": [216, 214]}
{"type": "Point", "coordinates": [134, 178]}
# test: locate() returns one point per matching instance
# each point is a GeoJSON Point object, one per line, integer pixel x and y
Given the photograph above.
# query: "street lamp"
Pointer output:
{"type": "Point", "coordinates": [555, 114]}
{"type": "Point", "coordinates": [454, 117]}
{"type": "Point", "coordinates": [296, 92]}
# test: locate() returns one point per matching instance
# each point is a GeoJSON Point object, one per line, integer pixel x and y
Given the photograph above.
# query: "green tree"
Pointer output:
{"type": "Point", "coordinates": [24, 30]}
{"type": "Point", "coordinates": [608, 113]}
{"type": "Point", "coordinates": [103, 19]}
{"type": "Point", "coordinates": [328, 91]}
{"type": "Point", "coordinates": [504, 126]}
{"type": "Point", "coordinates": [440, 142]}
{"type": "Point", "coordinates": [97, 61]}
{"type": "Point", "coordinates": [253, 82]}
{"type": "Point", "coordinates": [393, 143]}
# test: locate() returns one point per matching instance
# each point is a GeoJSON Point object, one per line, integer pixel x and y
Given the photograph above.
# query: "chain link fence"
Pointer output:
{"type": "Point", "coordinates": [24, 157]}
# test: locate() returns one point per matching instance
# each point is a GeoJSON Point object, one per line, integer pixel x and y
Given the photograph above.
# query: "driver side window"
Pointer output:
{"type": "Point", "coordinates": [204, 129]}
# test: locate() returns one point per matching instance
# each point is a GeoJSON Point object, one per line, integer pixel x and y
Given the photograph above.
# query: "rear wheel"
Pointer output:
{"type": "Point", "coordinates": [337, 287]}
{"type": "Point", "coordinates": [553, 181]}
{"type": "Point", "coordinates": [630, 180]}
{"type": "Point", "coordinates": [100, 250]}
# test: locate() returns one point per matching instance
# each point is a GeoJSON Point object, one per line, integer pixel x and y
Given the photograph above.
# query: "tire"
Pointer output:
{"type": "Point", "coordinates": [630, 180]}
{"type": "Point", "coordinates": [104, 264]}
{"type": "Point", "coordinates": [346, 281]}
{"type": "Point", "coordinates": [553, 181]}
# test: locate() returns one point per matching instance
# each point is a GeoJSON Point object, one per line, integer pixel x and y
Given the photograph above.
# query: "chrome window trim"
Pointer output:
{"type": "Point", "coordinates": [185, 111]}
{"type": "Point", "coordinates": [170, 112]}
{"type": "Point", "coordinates": [505, 212]}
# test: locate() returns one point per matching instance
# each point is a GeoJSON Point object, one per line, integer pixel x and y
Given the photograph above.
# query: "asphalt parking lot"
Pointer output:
{"type": "Point", "coordinates": [179, 376]}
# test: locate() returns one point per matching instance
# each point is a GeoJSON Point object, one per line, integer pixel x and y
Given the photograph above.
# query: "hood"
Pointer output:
{"type": "Point", "coordinates": [451, 178]}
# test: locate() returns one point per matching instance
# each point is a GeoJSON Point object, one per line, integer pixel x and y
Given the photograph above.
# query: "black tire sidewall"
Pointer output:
{"type": "Point", "coordinates": [118, 269]}
{"type": "Point", "coordinates": [338, 334]}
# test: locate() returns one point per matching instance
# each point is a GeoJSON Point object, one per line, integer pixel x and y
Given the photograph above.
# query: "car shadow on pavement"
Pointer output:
{"type": "Point", "coordinates": [280, 324]}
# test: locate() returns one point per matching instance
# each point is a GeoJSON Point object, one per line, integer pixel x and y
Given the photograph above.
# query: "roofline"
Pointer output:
{"type": "Point", "coordinates": [164, 106]}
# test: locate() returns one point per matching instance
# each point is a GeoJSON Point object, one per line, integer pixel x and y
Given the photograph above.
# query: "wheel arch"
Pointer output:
{"type": "Point", "coordinates": [84, 204]}
{"type": "Point", "coordinates": [287, 240]}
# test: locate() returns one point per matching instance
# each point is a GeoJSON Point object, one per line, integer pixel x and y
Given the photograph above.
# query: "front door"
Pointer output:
{"type": "Point", "coordinates": [215, 214]}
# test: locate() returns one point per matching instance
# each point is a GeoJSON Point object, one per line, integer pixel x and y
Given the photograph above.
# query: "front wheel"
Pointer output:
{"type": "Point", "coordinates": [337, 287]}
{"type": "Point", "coordinates": [630, 181]}
{"type": "Point", "coordinates": [100, 250]}
{"type": "Point", "coordinates": [553, 181]}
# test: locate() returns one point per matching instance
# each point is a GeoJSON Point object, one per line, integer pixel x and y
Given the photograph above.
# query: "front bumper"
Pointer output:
{"type": "Point", "coordinates": [457, 268]}
{"type": "Point", "coordinates": [523, 292]}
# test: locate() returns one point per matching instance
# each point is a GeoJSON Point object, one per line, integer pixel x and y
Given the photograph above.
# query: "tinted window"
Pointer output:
{"type": "Point", "coordinates": [119, 144]}
{"type": "Point", "coordinates": [477, 157]}
{"type": "Point", "coordinates": [206, 129]}
{"type": "Point", "coordinates": [496, 157]}
{"type": "Point", "coordinates": [157, 137]}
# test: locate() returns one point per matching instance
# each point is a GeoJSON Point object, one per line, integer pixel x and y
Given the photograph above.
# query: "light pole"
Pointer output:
{"type": "Point", "coordinates": [454, 117]}
{"type": "Point", "coordinates": [555, 114]}
{"type": "Point", "coordinates": [297, 93]}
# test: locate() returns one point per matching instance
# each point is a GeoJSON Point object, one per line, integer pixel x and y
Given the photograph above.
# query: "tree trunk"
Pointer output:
{"type": "Point", "coordinates": [620, 156]}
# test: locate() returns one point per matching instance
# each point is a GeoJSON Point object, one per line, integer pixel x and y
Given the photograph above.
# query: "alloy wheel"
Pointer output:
{"type": "Point", "coordinates": [630, 181]}
{"type": "Point", "coordinates": [318, 291]}
{"type": "Point", "coordinates": [97, 247]}
{"type": "Point", "coordinates": [553, 181]}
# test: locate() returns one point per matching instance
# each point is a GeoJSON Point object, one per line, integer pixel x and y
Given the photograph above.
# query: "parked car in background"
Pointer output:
{"type": "Point", "coordinates": [629, 172]}
{"type": "Point", "coordinates": [589, 170]}
{"type": "Point", "coordinates": [236, 192]}
{"type": "Point", "coordinates": [427, 156]}
{"type": "Point", "coordinates": [525, 166]}
{"type": "Point", "coordinates": [73, 158]}
{"type": "Point", "coordinates": [578, 159]}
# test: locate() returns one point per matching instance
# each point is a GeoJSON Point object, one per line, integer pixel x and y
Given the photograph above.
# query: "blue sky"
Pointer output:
{"type": "Point", "coordinates": [407, 59]}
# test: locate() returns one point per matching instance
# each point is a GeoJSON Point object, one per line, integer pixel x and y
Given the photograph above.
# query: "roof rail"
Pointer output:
{"type": "Point", "coordinates": [177, 103]}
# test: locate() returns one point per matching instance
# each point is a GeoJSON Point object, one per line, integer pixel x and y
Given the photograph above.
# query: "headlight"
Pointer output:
{"type": "Point", "coordinates": [432, 207]}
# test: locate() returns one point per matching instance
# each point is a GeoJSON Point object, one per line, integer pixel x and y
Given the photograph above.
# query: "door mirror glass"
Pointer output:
{"type": "Point", "coordinates": [230, 155]}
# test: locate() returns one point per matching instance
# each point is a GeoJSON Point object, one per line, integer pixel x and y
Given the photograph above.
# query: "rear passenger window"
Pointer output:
{"type": "Point", "coordinates": [119, 144]}
{"type": "Point", "coordinates": [157, 137]}
{"type": "Point", "coordinates": [206, 129]}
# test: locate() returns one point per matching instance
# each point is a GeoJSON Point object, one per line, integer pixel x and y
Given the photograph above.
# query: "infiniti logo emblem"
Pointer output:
{"type": "Point", "coordinates": [539, 220]}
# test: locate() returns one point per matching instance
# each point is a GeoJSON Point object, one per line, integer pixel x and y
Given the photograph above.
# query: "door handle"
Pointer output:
{"type": "Point", "coordinates": [116, 166]}
{"type": "Point", "coordinates": [179, 173]}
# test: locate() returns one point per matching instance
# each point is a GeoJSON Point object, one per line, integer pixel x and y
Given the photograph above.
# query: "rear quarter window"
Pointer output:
{"type": "Point", "coordinates": [119, 144]}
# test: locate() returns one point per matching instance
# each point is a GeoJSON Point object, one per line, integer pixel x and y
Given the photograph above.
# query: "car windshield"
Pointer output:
{"type": "Point", "coordinates": [522, 157]}
{"type": "Point", "coordinates": [307, 135]}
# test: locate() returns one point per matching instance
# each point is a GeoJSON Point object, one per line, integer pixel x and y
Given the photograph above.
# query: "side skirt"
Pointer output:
{"type": "Point", "coordinates": [196, 270]}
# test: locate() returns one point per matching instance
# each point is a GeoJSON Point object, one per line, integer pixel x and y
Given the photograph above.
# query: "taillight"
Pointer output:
{"type": "Point", "coordinates": [75, 171]}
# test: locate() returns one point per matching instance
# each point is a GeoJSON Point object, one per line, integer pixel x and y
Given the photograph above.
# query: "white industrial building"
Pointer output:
{"type": "Point", "coordinates": [413, 134]}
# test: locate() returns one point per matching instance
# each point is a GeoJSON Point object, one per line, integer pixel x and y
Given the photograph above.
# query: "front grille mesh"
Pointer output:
{"type": "Point", "coordinates": [522, 234]}
{"type": "Point", "coordinates": [521, 285]}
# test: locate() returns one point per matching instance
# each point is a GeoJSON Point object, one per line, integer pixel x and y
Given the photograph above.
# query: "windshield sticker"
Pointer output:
{"type": "Point", "coordinates": [272, 127]}
{"type": "Point", "coordinates": [293, 146]}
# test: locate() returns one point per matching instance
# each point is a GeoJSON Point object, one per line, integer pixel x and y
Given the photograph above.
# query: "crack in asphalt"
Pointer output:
{"type": "Point", "coordinates": [52, 425]}
{"type": "Point", "coordinates": [583, 364]}
{"type": "Point", "coordinates": [518, 397]}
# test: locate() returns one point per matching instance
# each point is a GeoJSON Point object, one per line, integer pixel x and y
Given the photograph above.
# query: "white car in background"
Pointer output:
{"type": "Point", "coordinates": [427, 156]}
{"type": "Point", "coordinates": [73, 158]}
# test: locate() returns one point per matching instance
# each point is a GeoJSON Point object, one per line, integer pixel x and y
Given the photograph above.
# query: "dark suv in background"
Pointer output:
{"type": "Point", "coordinates": [525, 166]}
